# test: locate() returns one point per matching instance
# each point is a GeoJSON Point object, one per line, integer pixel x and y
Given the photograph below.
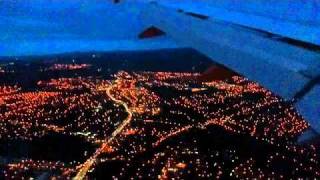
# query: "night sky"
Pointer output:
{"type": "Point", "coordinates": [50, 26]}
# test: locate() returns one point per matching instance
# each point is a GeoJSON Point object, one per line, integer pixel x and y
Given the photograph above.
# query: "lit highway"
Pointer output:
{"type": "Point", "coordinates": [85, 167]}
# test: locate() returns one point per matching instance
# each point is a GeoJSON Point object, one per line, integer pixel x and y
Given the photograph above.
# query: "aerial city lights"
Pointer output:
{"type": "Point", "coordinates": [148, 125]}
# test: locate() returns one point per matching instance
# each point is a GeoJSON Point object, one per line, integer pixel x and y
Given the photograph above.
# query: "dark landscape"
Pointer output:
{"type": "Point", "coordinates": [145, 115]}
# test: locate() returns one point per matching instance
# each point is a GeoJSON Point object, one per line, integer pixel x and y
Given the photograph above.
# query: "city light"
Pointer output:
{"type": "Point", "coordinates": [158, 125]}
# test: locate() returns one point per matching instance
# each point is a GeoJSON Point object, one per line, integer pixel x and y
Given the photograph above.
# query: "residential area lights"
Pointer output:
{"type": "Point", "coordinates": [129, 116]}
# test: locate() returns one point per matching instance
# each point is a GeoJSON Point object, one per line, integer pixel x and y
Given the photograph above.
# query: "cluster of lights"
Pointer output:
{"type": "Point", "coordinates": [66, 84]}
{"type": "Point", "coordinates": [6, 90]}
{"type": "Point", "coordinates": [57, 67]}
{"type": "Point", "coordinates": [127, 117]}
{"type": "Point", "coordinates": [139, 99]}
{"type": "Point", "coordinates": [20, 169]}
{"type": "Point", "coordinates": [240, 115]}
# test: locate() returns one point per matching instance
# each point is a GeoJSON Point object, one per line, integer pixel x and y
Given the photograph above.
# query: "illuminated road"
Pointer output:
{"type": "Point", "coordinates": [84, 168]}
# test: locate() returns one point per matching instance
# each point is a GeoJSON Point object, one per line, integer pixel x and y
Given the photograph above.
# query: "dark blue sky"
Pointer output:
{"type": "Point", "coordinates": [42, 26]}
